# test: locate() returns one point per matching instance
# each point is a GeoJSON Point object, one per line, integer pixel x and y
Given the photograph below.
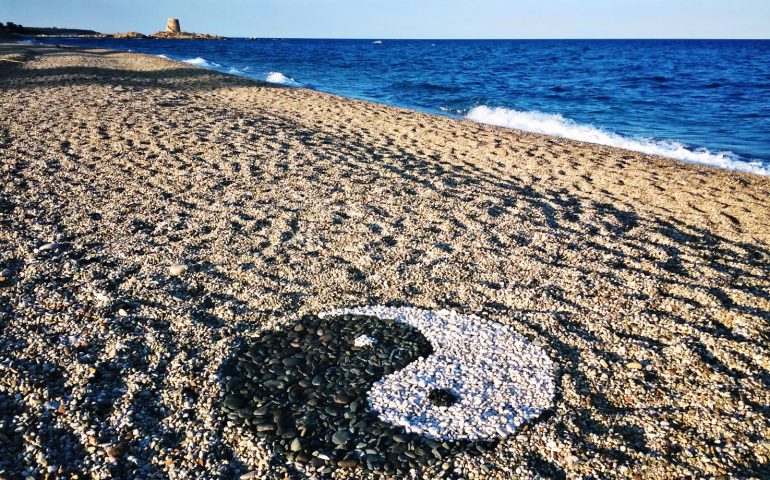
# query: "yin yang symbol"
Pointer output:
{"type": "Point", "coordinates": [385, 388]}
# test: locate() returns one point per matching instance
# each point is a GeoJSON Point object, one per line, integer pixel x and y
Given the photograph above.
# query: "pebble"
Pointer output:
{"type": "Point", "coordinates": [364, 341]}
{"type": "Point", "coordinates": [178, 269]}
{"type": "Point", "coordinates": [117, 451]}
{"type": "Point", "coordinates": [49, 246]}
{"type": "Point", "coordinates": [553, 446]}
{"type": "Point", "coordinates": [634, 366]}
{"type": "Point", "coordinates": [341, 437]}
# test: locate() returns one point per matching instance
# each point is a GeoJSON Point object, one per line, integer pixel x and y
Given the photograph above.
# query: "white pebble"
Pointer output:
{"type": "Point", "coordinates": [178, 269]}
{"type": "Point", "coordinates": [364, 341]}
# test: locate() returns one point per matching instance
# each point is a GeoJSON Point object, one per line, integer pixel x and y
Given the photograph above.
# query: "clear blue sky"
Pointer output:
{"type": "Point", "coordinates": [409, 18]}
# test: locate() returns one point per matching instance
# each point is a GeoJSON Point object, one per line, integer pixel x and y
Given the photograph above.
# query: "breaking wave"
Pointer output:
{"type": "Point", "coordinates": [278, 77]}
{"type": "Point", "coordinates": [557, 125]}
{"type": "Point", "coordinates": [272, 77]}
{"type": "Point", "coordinates": [201, 62]}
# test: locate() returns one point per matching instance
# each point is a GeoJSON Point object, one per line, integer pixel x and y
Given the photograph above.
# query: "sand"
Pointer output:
{"type": "Point", "coordinates": [644, 279]}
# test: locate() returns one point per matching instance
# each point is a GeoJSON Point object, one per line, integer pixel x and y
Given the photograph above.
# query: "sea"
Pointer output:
{"type": "Point", "coordinates": [700, 101]}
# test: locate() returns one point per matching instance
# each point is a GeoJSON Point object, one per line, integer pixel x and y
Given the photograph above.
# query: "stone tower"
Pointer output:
{"type": "Point", "coordinates": [172, 26]}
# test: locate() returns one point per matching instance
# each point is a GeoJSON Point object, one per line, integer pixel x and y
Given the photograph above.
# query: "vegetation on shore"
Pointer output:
{"type": "Point", "coordinates": [13, 30]}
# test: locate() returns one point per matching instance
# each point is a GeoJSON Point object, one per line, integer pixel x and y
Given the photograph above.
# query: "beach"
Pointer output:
{"type": "Point", "coordinates": [155, 216]}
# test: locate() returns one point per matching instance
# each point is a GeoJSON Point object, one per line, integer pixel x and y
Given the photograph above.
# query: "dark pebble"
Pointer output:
{"type": "Point", "coordinates": [341, 399]}
{"type": "Point", "coordinates": [234, 403]}
{"type": "Point", "coordinates": [347, 464]}
{"type": "Point", "coordinates": [341, 437]}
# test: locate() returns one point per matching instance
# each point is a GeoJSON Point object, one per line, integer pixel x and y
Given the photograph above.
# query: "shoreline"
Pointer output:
{"type": "Point", "coordinates": [535, 121]}
{"type": "Point", "coordinates": [745, 166]}
{"type": "Point", "coordinates": [157, 218]}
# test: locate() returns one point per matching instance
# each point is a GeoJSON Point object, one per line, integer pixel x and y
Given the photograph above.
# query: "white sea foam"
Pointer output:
{"type": "Point", "coordinates": [557, 125]}
{"type": "Point", "coordinates": [201, 62]}
{"type": "Point", "coordinates": [451, 110]}
{"type": "Point", "coordinates": [278, 77]}
{"type": "Point", "coordinates": [272, 77]}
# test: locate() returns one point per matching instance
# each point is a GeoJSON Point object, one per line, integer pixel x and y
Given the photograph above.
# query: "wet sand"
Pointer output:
{"type": "Point", "coordinates": [644, 279]}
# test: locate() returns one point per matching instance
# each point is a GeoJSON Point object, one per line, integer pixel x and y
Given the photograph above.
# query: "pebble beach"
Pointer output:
{"type": "Point", "coordinates": [206, 276]}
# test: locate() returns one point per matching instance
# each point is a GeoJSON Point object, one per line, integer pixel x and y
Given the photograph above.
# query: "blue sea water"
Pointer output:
{"type": "Point", "coordinates": [702, 101]}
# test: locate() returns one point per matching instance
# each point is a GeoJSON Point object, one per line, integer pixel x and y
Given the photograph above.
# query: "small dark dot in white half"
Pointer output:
{"type": "Point", "coordinates": [442, 397]}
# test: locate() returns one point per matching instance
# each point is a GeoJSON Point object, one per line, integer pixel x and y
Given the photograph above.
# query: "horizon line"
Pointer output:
{"type": "Point", "coordinates": [440, 39]}
{"type": "Point", "coordinates": [497, 38]}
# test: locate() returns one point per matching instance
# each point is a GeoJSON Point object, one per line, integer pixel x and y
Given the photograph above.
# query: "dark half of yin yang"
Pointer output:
{"type": "Point", "coordinates": [303, 390]}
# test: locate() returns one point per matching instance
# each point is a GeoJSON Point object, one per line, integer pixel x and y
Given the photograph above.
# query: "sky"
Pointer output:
{"type": "Point", "coordinates": [408, 18]}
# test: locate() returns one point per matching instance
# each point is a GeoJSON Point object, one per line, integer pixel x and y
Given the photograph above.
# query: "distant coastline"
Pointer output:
{"type": "Point", "coordinates": [11, 30]}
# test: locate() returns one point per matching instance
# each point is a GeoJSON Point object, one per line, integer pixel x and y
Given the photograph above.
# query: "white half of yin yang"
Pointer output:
{"type": "Point", "coordinates": [501, 380]}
